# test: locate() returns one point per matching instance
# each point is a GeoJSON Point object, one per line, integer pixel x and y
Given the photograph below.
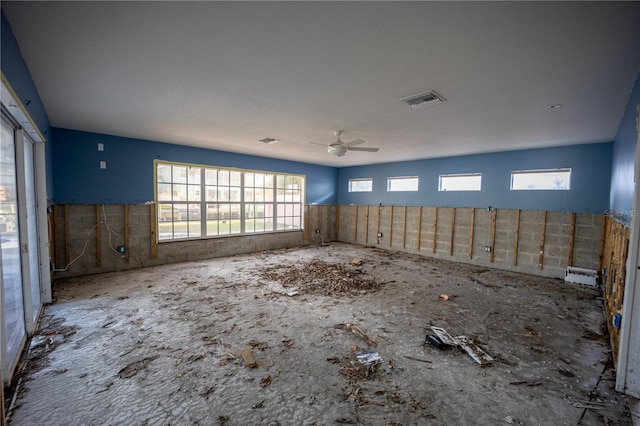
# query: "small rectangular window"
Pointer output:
{"type": "Point", "coordinates": [361, 185]}
{"type": "Point", "coordinates": [402, 183]}
{"type": "Point", "coordinates": [535, 180]}
{"type": "Point", "coordinates": [460, 182]}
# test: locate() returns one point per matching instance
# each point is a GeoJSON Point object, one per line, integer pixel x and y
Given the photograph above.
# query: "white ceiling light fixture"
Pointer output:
{"type": "Point", "coordinates": [423, 99]}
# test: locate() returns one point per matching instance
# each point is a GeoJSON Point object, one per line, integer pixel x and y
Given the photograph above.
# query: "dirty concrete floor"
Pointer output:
{"type": "Point", "coordinates": [163, 345]}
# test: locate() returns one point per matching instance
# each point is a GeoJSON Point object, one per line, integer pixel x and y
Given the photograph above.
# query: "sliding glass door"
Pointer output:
{"type": "Point", "coordinates": [12, 283]}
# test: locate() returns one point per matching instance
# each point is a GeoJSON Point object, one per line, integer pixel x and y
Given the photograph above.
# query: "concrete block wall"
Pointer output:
{"type": "Point", "coordinates": [81, 233]}
{"type": "Point", "coordinates": [412, 229]}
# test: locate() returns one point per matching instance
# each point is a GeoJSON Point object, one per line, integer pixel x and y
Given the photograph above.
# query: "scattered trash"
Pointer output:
{"type": "Point", "coordinates": [509, 420]}
{"type": "Point", "coordinates": [368, 358]}
{"type": "Point", "coordinates": [266, 381]}
{"type": "Point", "coordinates": [288, 342]}
{"type": "Point", "coordinates": [249, 358]}
{"type": "Point", "coordinates": [417, 359]}
{"type": "Point", "coordinates": [346, 420]}
{"type": "Point", "coordinates": [291, 291]}
{"type": "Point", "coordinates": [566, 373]}
{"type": "Point", "coordinates": [435, 342]}
{"type": "Point", "coordinates": [531, 330]}
{"type": "Point", "coordinates": [258, 405]}
{"type": "Point", "coordinates": [444, 297]}
{"type": "Point", "coordinates": [356, 262]}
{"type": "Point", "coordinates": [464, 342]}
{"type": "Point", "coordinates": [444, 336]}
{"type": "Point", "coordinates": [208, 391]}
{"type": "Point", "coordinates": [357, 331]}
{"type": "Point", "coordinates": [334, 360]}
{"type": "Point", "coordinates": [223, 362]}
{"type": "Point", "coordinates": [525, 382]}
{"type": "Point", "coordinates": [585, 404]}
{"type": "Point", "coordinates": [194, 358]}
{"type": "Point", "coordinates": [474, 351]}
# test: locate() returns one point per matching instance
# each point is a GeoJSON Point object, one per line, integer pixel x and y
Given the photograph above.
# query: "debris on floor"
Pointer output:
{"type": "Point", "coordinates": [356, 262]}
{"type": "Point", "coordinates": [444, 297]}
{"type": "Point", "coordinates": [467, 344]}
{"type": "Point", "coordinates": [368, 358]}
{"type": "Point", "coordinates": [133, 368]}
{"type": "Point", "coordinates": [357, 331]}
{"type": "Point", "coordinates": [248, 358]}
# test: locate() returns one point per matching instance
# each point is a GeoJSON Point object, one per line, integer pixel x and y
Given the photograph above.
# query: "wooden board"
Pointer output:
{"type": "Point", "coordinates": [378, 225]}
{"type": "Point", "coordinates": [338, 222]}
{"type": "Point", "coordinates": [355, 232]}
{"type": "Point", "coordinates": [328, 236]}
{"type": "Point", "coordinates": [67, 243]}
{"type": "Point", "coordinates": [494, 214]}
{"type": "Point", "coordinates": [435, 229]}
{"type": "Point", "coordinates": [154, 231]}
{"type": "Point", "coordinates": [419, 239]}
{"type": "Point", "coordinates": [366, 226]}
{"type": "Point", "coordinates": [98, 237]}
{"type": "Point", "coordinates": [453, 228]}
{"type": "Point", "coordinates": [472, 225]}
{"type": "Point", "coordinates": [572, 236]}
{"type": "Point", "coordinates": [516, 237]}
{"type": "Point", "coordinates": [391, 228]}
{"type": "Point", "coordinates": [126, 232]}
{"type": "Point", "coordinates": [404, 228]}
{"type": "Point", "coordinates": [543, 232]}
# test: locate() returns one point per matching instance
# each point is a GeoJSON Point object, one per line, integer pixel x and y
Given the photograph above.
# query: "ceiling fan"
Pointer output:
{"type": "Point", "coordinates": [340, 148]}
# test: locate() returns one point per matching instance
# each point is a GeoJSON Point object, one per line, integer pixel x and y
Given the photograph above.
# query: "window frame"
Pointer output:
{"type": "Point", "coordinates": [459, 175]}
{"type": "Point", "coordinates": [391, 179]}
{"type": "Point", "coordinates": [225, 188]}
{"type": "Point", "coordinates": [541, 171]}
{"type": "Point", "coordinates": [350, 189]}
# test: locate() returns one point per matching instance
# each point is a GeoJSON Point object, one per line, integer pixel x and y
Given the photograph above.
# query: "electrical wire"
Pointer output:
{"type": "Point", "coordinates": [86, 243]}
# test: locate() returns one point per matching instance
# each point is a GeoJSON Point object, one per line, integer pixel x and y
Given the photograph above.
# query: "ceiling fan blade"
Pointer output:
{"type": "Point", "coordinates": [315, 143]}
{"type": "Point", "coordinates": [365, 149]}
{"type": "Point", "coordinates": [353, 142]}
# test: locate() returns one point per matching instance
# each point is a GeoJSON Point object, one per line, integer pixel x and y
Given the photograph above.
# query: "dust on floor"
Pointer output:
{"type": "Point", "coordinates": [274, 338]}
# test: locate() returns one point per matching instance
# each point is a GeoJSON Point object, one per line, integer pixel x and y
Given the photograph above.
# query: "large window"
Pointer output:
{"type": "Point", "coordinates": [402, 183]}
{"type": "Point", "coordinates": [460, 182]}
{"type": "Point", "coordinates": [196, 201]}
{"type": "Point", "coordinates": [361, 185]}
{"type": "Point", "coordinates": [548, 179]}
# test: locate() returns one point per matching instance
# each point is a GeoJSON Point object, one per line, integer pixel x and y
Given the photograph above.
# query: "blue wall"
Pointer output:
{"type": "Point", "coordinates": [589, 190]}
{"type": "Point", "coordinates": [624, 149]}
{"type": "Point", "coordinates": [17, 74]}
{"type": "Point", "coordinates": [128, 177]}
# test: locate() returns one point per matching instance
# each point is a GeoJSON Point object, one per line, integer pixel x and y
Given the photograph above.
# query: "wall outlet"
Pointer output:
{"type": "Point", "coordinates": [103, 164]}
{"type": "Point", "coordinates": [121, 249]}
{"type": "Point", "coordinates": [488, 249]}
{"type": "Point", "coordinates": [317, 231]}
{"type": "Point", "coordinates": [379, 234]}
{"type": "Point", "coordinates": [100, 147]}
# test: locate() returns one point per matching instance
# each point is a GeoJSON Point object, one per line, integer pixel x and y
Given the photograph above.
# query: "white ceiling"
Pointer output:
{"type": "Point", "coordinates": [223, 75]}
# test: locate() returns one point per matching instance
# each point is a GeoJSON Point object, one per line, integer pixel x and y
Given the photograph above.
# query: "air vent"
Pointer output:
{"type": "Point", "coordinates": [269, 141]}
{"type": "Point", "coordinates": [423, 100]}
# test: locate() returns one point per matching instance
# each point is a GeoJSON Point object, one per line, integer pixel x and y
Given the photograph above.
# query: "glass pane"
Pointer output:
{"type": "Point", "coordinates": [360, 185]}
{"type": "Point", "coordinates": [213, 211]}
{"type": "Point", "coordinates": [194, 175]}
{"type": "Point", "coordinates": [179, 174]}
{"type": "Point", "coordinates": [259, 179]}
{"type": "Point", "coordinates": [288, 210]}
{"type": "Point", "coordinates": [468, 182]}
{"type": "Point", "coordinates": [234, 194]}
{"type": "Point", "coordinates": [249, 225]}
{"type": "Point", "coordinates": [223, 194]}
{"type": "Point", "coordinates": [164, 173]}
{"type": "Point", "coordinates": [281, 210]}
{"type": "Point", "coordinates": [211, 177]}
{"type": "Point", "coordinates": [268, 181]}
{"type": "Point", "coordinates": [194, 192]}
{"type": "Point", "coordinates": [541, 179]}
{"type": "Point", "coordinates": [179, 192]}
{"type": "Point", "coordinates": [280, 195]}
{"type": "Point", "coordinates": [234, 210]}
{"type": "Point", "coordinates": [195, 228]}
{"type": "Point", "coordinates": [236, 178]}
{"type": "Point", "coordinates": [409, 183]}
{"type": "Point", "coordinates": [13, 307]}
{"type": "Point", "coordinates": [249, 179]}
{"type": "Point", "coordinates": [180, 212]}
{"type": "Point", "coordinates": [268, 195]}
{"type": "Point", "coordinates": [223, 177]}
{"type": "Point", "coordinates": [249, 195]}
{"type": "Point", "coordinates": [164, 192]}
{"type": "Point", "coordinates": [212, 193]}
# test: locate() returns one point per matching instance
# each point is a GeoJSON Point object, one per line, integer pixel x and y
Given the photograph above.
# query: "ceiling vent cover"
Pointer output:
{"type": "Point", "coordinates": [423, 99]}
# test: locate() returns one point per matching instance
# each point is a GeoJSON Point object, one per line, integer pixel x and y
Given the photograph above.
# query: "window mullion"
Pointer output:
{"type": "Point", "coordinates": [203, 203]}
{"type": "Point", "coordinates": [242, 207]}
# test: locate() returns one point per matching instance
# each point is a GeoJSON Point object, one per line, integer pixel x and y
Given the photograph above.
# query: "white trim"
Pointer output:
{"type": "Point", "coordinates": [43, 222]}
{"type": "Point", "coordinates": [627, 378]}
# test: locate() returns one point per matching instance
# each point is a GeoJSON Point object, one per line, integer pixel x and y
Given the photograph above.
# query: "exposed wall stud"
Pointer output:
{"type": "Point", "coordinates": [391, 228]}
{"type": "Point", "coordinates": [472, 224]}
{"type": "Point", "coordinates": [154, 230]}
{"type": "Point", "coordinates": [355, 233]}
{"type": "Point", "coordinates": [494, 214]}
{"type": "Point", "coordinates": [56, 229]}
{"type": "Point", "coordinates": [543, 231]}
{"type": "Point", "coordinates": [516, 237]}
{"type": "Point", "coordinates": [435, 228]}
{"type": "Point", "coordinates": [126, 233]}
{"type": "Point", "coordinates": [328, 236]}
{"type": "Point", "coordinates": [67, 243]}
{"type": "Point", "coordinates": [98, 237]}
{"type": "Point", "coordinates": [404, 228]}
{"type": "Point", "coordinates": [453, 228]}
{"type": "Point", "coordinates": [319, 217]}
{"type": "Point", "coordinates": [419, 242]}
{"type": "Point", "coordinates": [338, 222]}
{"type": "Point", "coordinates": [306, 223]}
{"type": "Point", "coordinates": [572, 236]}
{"type": "Point", "coordinates": [366, 225]}
{"type": "Point", "coordinates": [378, 225]}
{"type": "Point", "coordinates": [603, 236]}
